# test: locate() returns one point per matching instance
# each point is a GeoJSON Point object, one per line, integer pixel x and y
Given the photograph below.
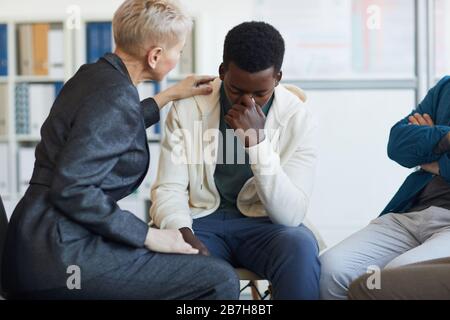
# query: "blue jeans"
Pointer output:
{"type": "Point", "coordinates": [286, 256]}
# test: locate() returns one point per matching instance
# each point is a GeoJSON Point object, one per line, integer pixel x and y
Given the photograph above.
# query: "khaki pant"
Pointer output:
{"type": "Point", "coordinates": [422, 281]}
{"type": "Point", "coordinates": [388, 242]}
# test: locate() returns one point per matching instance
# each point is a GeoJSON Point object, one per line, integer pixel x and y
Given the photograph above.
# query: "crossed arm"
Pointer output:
{"type": "Point", "coordinates": [440, 149]}
{"type": "Point", "coordinates": [418, 140]}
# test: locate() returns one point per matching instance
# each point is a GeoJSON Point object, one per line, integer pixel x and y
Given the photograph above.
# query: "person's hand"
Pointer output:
{"type": "Point", "coordinates": [168, 241]}
{"type": "Point", "coordinates": [443, 146]}
{"type": "Point", "coordinates": [248, 120]}
{"type": "Point", "coordinates": [432, 168]}
{"type": "Point", "coordinates": [189, 87]}
{"type": "Point", "coordinates": [190, 238]}
{"type": "Point", "coordinates": [425, 120]}
{"type": "Point", "coordinates": [421, 120]}
{"type": "Point", "coordinates": [192, 86]}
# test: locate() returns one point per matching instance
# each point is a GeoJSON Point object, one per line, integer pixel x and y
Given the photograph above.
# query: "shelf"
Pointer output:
{"type": "Point", "coordinates": [4, 139]}
{"type": "Point", "coordinates": [3, 79]}
{"type": "Point", "coordinates": [137, 197]}
{"type": "Point", "coordinates": [180, 77]}
{"type": "Point", "coordinates": [27, 138]}
{"type": "Point", "coordinates": [154, 139]}
{"type": "Point", "coordinates": [46, 79]}
{"type": "Point", "coordinates": [11, 196]}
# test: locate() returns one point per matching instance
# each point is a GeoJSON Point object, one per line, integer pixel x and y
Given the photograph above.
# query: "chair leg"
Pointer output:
{"type": "Point", "coordinates": [255, 292]}
{"type": "Point", "coordinates": [269, 292]}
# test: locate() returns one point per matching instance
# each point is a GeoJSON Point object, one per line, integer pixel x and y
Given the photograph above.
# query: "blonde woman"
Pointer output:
{"type": "Point", "coordinates": [68, 238]}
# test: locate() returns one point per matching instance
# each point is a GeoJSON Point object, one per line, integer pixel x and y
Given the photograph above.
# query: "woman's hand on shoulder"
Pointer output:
{"type": "Point", "coordinates": [193, 86]}
{"type": "Point", "coordinates": [189, 87]}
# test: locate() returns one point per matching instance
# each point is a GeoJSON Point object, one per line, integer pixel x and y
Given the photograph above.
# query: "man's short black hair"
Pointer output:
{"type": "Point", "coordinates": [253, 47]}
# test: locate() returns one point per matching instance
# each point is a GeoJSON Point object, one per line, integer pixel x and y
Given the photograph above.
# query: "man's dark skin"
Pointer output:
{"type": "Point", "coordinates": [248, 92]}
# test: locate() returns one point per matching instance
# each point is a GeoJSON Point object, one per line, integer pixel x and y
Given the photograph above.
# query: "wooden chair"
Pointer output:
{"type": "Point", "coordinates": [253, 278]}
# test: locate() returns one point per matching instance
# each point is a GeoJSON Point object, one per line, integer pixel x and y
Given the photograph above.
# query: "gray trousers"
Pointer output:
{"type": "Point", "coordinates": [155, 277]}
{"type": "Point", "coordinates": [390, 241]}
{"type": "Point", "coordinates": [421, 281]}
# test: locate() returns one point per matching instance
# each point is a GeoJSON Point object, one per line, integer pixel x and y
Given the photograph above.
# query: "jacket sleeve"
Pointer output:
{"type": "Point", "coordinates": [285, 190]}
{"type": "Point", "coordinates": [170, 198]}
{"type": "Point", "coordinates": [102, 131]}
{"type": "Point", "coordinates": [413, 145]}
{"type": "Point", "coordinates": [150, 110]}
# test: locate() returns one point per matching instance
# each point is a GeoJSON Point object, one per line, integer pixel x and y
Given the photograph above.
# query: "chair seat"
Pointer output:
{"type": "Point", "coordinates": [247, 275]}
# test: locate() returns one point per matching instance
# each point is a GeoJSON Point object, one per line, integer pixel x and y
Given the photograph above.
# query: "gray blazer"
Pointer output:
{"type": "Point", "coordinates": [93, 153]}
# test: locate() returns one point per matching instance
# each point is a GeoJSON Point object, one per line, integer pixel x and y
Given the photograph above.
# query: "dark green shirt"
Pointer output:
{"type": "Point", "coordinates": [233, 168]}
{"type": "Point", "coordinates": [435, 194]}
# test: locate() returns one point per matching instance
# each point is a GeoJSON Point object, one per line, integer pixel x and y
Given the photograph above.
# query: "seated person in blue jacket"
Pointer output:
{"type": "Point", "coordinates": [240, 189]}
{"type": "Point", "coordinates": [415, 225]}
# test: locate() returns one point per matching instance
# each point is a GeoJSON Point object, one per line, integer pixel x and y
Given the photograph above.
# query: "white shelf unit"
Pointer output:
{"type": "Point", "coordinates": [13, 141]}
{"type": "Point", "coordinates": [75, 44]}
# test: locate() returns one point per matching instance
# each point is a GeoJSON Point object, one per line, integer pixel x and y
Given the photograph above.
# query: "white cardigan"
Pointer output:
{"type": "Point", "coordinates": [283, 164]}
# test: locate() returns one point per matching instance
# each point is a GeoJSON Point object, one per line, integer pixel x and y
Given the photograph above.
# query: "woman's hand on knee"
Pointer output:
{"type": "Point", "coordinates": [168, 241]}
{"type": "Point", "coordinates": [195, 242]}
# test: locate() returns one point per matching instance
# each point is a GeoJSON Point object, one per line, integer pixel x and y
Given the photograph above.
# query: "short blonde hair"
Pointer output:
{"type": "Point", "coordinates": [141, 24]}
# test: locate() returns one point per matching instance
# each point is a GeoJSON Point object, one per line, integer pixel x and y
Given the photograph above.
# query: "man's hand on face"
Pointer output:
{"type": "Point", "coordinates": [190, 238]}
{"type": "Point", "coordinates": [248, 119]}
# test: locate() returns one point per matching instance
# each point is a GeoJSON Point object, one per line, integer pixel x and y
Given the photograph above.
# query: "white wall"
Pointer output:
{"type": "Point", "coordinates": [355, 178]}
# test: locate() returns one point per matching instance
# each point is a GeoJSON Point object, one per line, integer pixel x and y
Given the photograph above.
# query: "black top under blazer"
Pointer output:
{"type": "Point", "coordinates": [93, 152]}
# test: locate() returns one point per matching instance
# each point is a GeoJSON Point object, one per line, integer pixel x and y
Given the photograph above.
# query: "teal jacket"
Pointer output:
{"type": "Point", "coordinates": [412, 146]}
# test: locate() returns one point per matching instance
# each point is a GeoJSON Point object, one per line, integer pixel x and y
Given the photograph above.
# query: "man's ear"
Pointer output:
{"type": "Point", "coordinates": [153, 57]}
{"type": "Point", "coordinates": [222, 71]}
{"type": "Point", "coordinates": [278, 77]}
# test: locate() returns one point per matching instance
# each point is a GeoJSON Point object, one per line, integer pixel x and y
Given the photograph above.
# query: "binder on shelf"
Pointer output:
{"type": "Point", "coordinates": [3, 50]}
{"type": "Point", "coordinates": [58, 88]}
{"type": "Point", "coordinates": [187, 59]}
{"type": "Point", "coordinates": [93, 43]}
{"type": "Point", "coordinates": [4, 168]}
{"type": "Point", "coordinates": [107, 42]}
{"type": "Point", "coordinates": [25, 49]}
{"type": "Point", "coordinates": [3, 110]}
{"type": "Point", "coordinates": [21, 109]}
{"type": "Point", "coordinates": [33, 104]}
{"type": "Point", "coordinates": [152, 174]}
{"type": "Point", "coordinates": [40, 49]}
{"type": "Point", "coordinates": [186, 65]}
{"type": "Point", "coordinates": [98, 40]}
{"type": "Point", "coordinates": [26, 166]}
{"type": "Point", "coordinates": [147, 90]}
{"type": "Point", "coordinates": [41, 98]}
{"type": "Point", "coordinates": [157, 126]}
{"type": "Point", "coordinates": [56, 52]}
